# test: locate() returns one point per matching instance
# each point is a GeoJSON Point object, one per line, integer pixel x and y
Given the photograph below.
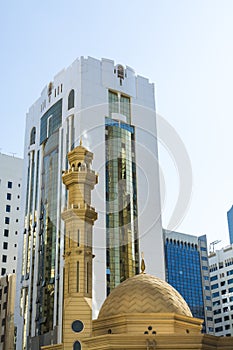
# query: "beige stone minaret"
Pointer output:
{"type": "Point", "coordinates": [79, 218]}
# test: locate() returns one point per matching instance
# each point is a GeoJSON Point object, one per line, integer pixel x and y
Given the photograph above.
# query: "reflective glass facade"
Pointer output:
{"type": "Point", "coordinates": [230, 224]}
{"type": "Point", "coordinates": [121, 203]}
{"type": "Point", "coordinates": [184, 273]}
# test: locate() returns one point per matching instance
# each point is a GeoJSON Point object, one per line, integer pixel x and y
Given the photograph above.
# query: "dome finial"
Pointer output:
{"type": "Point", "coordinates": [80, 142]}
{"type": "Point", "coordinates": [143, 265]}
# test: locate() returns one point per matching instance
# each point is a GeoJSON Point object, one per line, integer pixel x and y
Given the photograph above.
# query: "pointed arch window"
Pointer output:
{"type": "Point", "coordinates": [33, 136]}
{"type": "Point", "coordinates": [71, 99]}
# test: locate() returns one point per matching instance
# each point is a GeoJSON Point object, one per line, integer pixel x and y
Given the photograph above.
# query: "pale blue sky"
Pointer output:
{"type": "Point", "coordinates": [184, 46]}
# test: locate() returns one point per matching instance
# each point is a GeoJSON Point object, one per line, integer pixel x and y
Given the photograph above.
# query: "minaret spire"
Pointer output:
{"type": "Point", "coordinates": [79, 218]}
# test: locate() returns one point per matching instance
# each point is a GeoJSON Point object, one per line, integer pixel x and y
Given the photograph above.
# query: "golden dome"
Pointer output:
{"type": "Point", "coordinates": [144, 294]}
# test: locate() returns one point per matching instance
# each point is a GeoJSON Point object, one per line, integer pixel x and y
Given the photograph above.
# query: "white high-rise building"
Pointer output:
{"type": "Point", "coordinates": [221, 279]}
{"type": "Point", "coordinates": [11, 171]}
{"type": "Point", "coordinates": [111, 110]}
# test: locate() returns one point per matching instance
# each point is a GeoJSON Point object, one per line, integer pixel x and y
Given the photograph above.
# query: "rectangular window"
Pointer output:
{"type": "Point", "coordinates": [230, 290]}
{"type": "Point", "coordinates": [204, 258]}
{"type": "Point", "coordinates": [230, 281]}
{"type": "Point", "coordinates": [9, 184]}
{"type": "Point", "coordinates": [214, 278]}
{"type": "Point", "coordinates": [77, 276]}
{"type": "Point", "coordinates": [4, 258]}
{"type": "Point", "coordinates": [78, 238]}
{"type": "Point", "coordinates": [125, 106]}
{"type": "Point", "coordinates": [3, 271]}
{"type": "Point", "coordinates": [113, 103]}
{"type": "Point", "coordinates": [203, 249]}
{"type": "Point", "coordinates": [6, 233]}
{"type": "Point", "coordinates": [218, 320]}
{"type": "Point", "coordinates": [229, 272]}
{"type": "Point", "coordinates": [5, 245]}
{"type": "Point", "coordinates": [5, 289]}
{"type": "Point", "coordinates": [8, 196]}
{"type": "Point", "coordinates": [8, 208]}
{"type": "Point", "coordinates": [214, 286]}
{"type": "Point", "coordinates": [7, 220]}
{"type": "Point", "coordinates": [215, 295]}
{"type": "Point", "coordinates": [218, 329]}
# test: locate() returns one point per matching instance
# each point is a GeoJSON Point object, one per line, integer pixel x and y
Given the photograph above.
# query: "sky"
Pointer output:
{"type": "Point", "coordinates": [185, 47]}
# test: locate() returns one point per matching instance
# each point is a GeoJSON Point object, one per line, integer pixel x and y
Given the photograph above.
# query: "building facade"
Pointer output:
{"type": "Point", "coordinates": [7, 303]}
{"type": "Point", "coordinates": [230, 224]}
{"type": "Point", "coordinates": [112, 110]}
{"type": "Point", "coordinates": [11, 172]}
{"type": "Point", "coordinates": [221, 277]}
{"type": "Point", "coordinates": [187, 270]}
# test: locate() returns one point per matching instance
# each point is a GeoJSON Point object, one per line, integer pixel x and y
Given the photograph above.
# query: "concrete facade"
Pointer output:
{"type": "Point", "coordinates": [11, 173]}
{"type": "Point", "coordinates": [221, 277]}
{"type": "Point", "coordinates": [7, 304]}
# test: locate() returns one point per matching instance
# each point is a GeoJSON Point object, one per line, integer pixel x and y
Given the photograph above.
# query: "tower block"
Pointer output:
{"type": "Point", "coordinates": [79, 218]}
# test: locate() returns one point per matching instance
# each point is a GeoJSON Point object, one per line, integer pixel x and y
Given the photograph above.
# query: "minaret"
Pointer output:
{"type": "Point", "coordinates": [79, 218]}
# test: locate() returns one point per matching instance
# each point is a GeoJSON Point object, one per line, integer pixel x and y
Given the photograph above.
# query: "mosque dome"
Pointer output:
{"type": "Point", "coordinates": [144, 293]}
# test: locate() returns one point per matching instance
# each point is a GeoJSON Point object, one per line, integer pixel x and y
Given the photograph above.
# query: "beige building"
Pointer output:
{"type": "Point", "coordinates": [7, 303]}
{"type": "Point", "coordinates": [143, 312]}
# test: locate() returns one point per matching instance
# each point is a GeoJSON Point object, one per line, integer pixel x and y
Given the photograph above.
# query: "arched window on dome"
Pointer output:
{"type": "Point", "coordinates": [71, 99]}
{"type": "Point", "coordinates": [33, 136]}
{"type": "Point", "coordinates": [77, 346]}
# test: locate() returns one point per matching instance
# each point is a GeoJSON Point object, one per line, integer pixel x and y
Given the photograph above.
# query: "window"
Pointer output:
{"type": "Point", "coordinates": [223, 283]}
{"type": "Point", "coordinates": [8, 208]}
{"type": "Point", "coordinates": [14, 257]}
{"type": "Point", "coordinates": [230, 281]}
{"type": "Point", "coordinates": [226, 318]}
{"type": "Point", "coordinates": [119, 104]}
{"type": "Point", "coordinates": [205, 268]}
{"type": "Point", "coordinates": [6, 233]}
{"type": "Point", "coordinates": [7, 220]}
{"type": "Point", "coordinates": [231, 290]}
{"type": "Point", "coordinates": [215, 295]}
{"type": "Point", "coordinates": [33, 136]}
{"type": "Point", "coordinates": [5, 245]}
{"type": "Point", "coordinates": [214, 286]}
{"type": "Point", "coordinates": [218, 320]}
{"type": "Point", "coordinates": [218, 329]}
{"type": "Point", "coordinates": [3, 271]}
{"type": "Point", "coordinates": [16, 232]}
{"type": "Point", "coordinates": [71, 99]}
{"type": "Point", "coordinates": [77, 346]}
{"type": "Point", "coordinates": [17, 220]}
{"type": "Point", "coordinates": [5, 289]}
{"type": "Point", "coordinates": [214, 278]}
{"type": "Point", "coordinates": [17, 208]}
{"type": "Point", "coordinates": [220, 265]}
{"type": "Point", "coordinates": [8, 196]}
{"type": "Point", "coordinates": [229, 272]}
{"type": "Point", "coordinates": [9, 184]}
{"type": "Point", "coordinates": [4, 258]}
{"type": "Point", "coordinates": [19, 185]}
{"type": "Point", "coordinates": [15, 245]}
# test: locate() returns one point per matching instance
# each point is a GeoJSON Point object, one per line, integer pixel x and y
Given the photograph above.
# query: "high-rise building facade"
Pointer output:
{"type": "Point", "coordinates": [11, 172]}
{"type": "Point", "coordinates": [230, 224]}
{"type": "Point", "coordinates": [112, 110]}
{"type": "Point", "coordinates": [187, 270]}
{"type": "Point", "coordinates": [7, 303]}
{"type": "Point", "coordinates": [221, 277]}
